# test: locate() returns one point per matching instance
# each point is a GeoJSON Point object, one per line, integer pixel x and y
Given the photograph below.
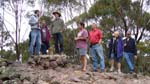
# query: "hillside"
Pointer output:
{"type": "Point", "coordinates": [16, 73]}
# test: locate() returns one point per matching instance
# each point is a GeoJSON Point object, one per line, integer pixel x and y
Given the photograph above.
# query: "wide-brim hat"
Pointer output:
{"type": "Point", "coordinates": [56, 13]}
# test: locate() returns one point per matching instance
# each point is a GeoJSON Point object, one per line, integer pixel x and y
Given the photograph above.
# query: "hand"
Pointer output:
{"type": "Point", "coordinates": [76, 38]}
{"type": "Point", "coordinates": [125, 44]}
{"type": "Point", "coordinates": [135, 57]}
{"type": "Point", "coordinates": [100, 42]}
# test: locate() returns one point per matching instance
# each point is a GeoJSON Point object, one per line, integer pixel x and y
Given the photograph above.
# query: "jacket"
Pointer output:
{"type": "Point", "coordinates": [57, 26]}
{"type": "Point", "coordinates": [130, 46]}
{"type": "Point", "coordinates": [48, 35]}
{"type": "Point", "coordinates": [33, 22]}
{"type": "Point", "coordinates": [119, 47]}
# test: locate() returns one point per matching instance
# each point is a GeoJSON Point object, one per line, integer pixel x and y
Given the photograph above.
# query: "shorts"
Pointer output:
{"type": "Point", "coordinates": [114, 57]}
{"type": "Point", "coordinates": [82, 51]}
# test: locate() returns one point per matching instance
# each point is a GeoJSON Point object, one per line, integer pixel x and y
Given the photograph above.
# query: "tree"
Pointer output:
{"type": "Point", "coordinates": [120, 15]}
{"type": "Point", "coordinates": [15, 9]}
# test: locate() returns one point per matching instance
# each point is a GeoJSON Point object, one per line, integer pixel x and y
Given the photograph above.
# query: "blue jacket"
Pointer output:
{"type": "Point", "coordinates": [119, 47]}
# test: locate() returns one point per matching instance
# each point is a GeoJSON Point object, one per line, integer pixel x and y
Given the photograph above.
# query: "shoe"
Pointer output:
{"type": "Point", "coordinates": [102, 71]}
{"type": "Point", "coordinates": [119, 72]}
{"type": "Point", "coordinates": [111, 70]}
{"type": "Point", "coordinates": [132, 72]}
{"type": "Point", "coordinates": [95, 70]}
{"type": "Point", "coordinates": [62, 53]}
{"type": "Point", "coordinates": [31, 56]}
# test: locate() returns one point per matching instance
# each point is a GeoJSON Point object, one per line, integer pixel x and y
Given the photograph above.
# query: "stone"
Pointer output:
{"type": "Point", "coordinates": [84, 77]}
{"type": "Point", "coordinates": [46, 65]}
{"type": "Point", "coordinates": [55, 82]}
{"type": "Point", "coordinates": [74, 79]}
{"type": "Point", "coordinates": [42, 82]}
{"type": "Point", "coordinates": [26, 82]}
{"type": "Point", "coordinates": [53, 64]}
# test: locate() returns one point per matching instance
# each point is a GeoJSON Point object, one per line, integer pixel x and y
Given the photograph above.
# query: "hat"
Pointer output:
{"type": "Point", "coordinates": [57, 13]}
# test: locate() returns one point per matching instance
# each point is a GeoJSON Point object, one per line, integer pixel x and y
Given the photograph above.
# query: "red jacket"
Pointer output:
{"type": "Point", "coordinates": [48, 35]}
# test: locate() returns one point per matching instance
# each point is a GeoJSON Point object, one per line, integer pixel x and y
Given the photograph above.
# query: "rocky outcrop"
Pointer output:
{"type": "Point", "coordinates": [52, 70]}
{"type": "Point", "coordinates": [47, 61]}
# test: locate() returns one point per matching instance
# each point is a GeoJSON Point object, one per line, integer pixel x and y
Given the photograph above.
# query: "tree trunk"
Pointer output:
{"type": "Point", "coordinates": [17, 43]}
{"type": "Point", "coordinates": [138, 40]}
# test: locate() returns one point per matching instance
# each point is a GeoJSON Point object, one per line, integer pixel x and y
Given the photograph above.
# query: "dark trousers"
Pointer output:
{"type": "Point", "coordinates": [44, 47]}
{"type": "Point", "coordinates": [58, 39]}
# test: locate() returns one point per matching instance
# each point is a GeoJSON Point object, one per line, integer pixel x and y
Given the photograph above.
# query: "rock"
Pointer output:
{"type": "Point", "coordinates": [31, 62]}
{"type": "Point", "coordinates": [58, 69]}
{"type": "Point", "coordinates": [42, 82]}
{"type": "Point", "coordinates": [62, 61]}
{"type": "Point", "coordinates": [85, 77]}
{"type": "Point", "coordinates": [55, 82]}
{"type": "Point", "coordinates": [53, 64]}
{"type": "Point", "coordinates": [26, 82]}
{"type": "Point", "coordinates": [74, 79]}
{"type": "Point", "coordinates": [10, 82]}
{"type": "Point", "coordinates": [7, 74]}
{"type": "Point", "coordinates": [3, 64]}
{"type": "Point", "coordinates": [1, 81]}
{"type": "Point", "coordinates": [37, 60]}
{"type": "Point", "coordinates": [47, 62]}
{"type": "Point", "coordinates": [46, 65]}
{"type": "Point", "coordinates": [25, 77]}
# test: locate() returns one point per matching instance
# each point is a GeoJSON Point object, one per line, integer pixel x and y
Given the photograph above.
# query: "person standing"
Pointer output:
{"type": "Point", "coordinates": [35, 34]}
{"type": "Point", "coordinates": [96, 48]}
{"type": "Point", "coordinates": [45, 37]}
{"type": "Point", "coordinates": [81, 45]}
{"type": "Point", "coordinates": [57, 28]}
{"type": "Point", "coordinates": [130, 51]}
{"type": "Point", "coordinates": [116, 47]}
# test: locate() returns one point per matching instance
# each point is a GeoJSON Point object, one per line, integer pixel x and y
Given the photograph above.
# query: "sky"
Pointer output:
{"type": "Point", "coordinates": [9, 20]}
{"type": "Point", "coordinates": [25, 27]}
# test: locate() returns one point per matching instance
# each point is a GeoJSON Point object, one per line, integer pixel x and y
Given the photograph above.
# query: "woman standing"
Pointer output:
{"type": "Point", "coordinates": [45, 37]}
{"type": "Point", "coordinates": [81, 44]}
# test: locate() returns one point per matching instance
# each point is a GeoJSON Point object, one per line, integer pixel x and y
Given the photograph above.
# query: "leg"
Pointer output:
{"type": "Point", "coordinates": [55, 36]}
{"type": "Point", "coordinates": [129, 61]}
{"type": "Point", "coordinates": [60, 36]}
{"type": "Point", "coordinates": [132, 61]}
{"type": "Point", "coordinates": [112, 62]}
{"type": "Point", "coordinates": [44, 48]}
{"type": "Point", "coordinates": [94, 58]}
{"type": "Point", "coordinates": [118, 60]}
{"type": "Point", "coordinates": [32, 43]}
{"type": "Point", "coordinates": [38, 42]}
{"type": "Point", "coordinates": [84, 62]}
{"type": "Point", "coordinates": [100, 53]}
{"type": "Point", "coordinates": [83, 58]}
{"type": "Point", "coordinates": [119, 67]}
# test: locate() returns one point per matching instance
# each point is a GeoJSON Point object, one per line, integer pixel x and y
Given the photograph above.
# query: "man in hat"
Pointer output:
{"type": "Point", "coordinates": [57, 28]}
{"type": "Point", "coordinates": [35, 34]}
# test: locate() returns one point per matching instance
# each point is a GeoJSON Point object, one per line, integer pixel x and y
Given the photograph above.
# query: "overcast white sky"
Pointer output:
{"type": "Point", "coordinates": [25, 28]}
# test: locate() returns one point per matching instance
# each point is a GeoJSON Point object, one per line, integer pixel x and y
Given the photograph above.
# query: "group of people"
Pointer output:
{"type": "Point", "coordinates": [40, 34]}
{"type": "Point", "coordinates": [118, 47]}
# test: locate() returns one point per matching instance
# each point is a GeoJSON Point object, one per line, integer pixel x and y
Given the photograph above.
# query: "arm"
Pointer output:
{"type": "Point", "coordinates": [134, 47]}
{"type": "Point", "coordinates": [63, 26]}
{"type": "Point", "coordinates": [83, 37]}
{"type": "Point", "coordinates": [100, 36]}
